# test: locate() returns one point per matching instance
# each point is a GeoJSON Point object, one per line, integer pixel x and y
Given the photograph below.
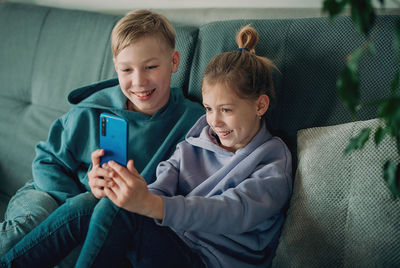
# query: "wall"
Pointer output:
{"type": "Point", "coordinates": [197, 12]}
{"type": "Point", "coordinates": [118, 5]}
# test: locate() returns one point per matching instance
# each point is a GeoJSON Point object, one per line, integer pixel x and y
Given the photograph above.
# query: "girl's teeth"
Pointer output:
{"type": "Point", "coordinates": [225, 133]}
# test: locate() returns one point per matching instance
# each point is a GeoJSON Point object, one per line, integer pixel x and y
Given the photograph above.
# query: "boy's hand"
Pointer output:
{"type": "Point", "coordinates": [98, 176]}
{"type": "Point", "coordinates": [131, 193]}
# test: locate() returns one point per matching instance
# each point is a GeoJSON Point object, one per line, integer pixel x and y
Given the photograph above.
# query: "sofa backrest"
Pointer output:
{"type": "Point", "coordinates": [47, 52]}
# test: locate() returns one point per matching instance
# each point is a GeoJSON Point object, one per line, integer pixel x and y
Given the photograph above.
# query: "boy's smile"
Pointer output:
{"type": "Point", "coordinates": [144, 71]}
{"type": "Point", "coordinates": [144, 95]}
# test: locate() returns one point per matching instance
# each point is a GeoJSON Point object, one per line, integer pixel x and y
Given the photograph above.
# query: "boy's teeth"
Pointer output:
{"type": "Point", "coordinates": [144, 94]}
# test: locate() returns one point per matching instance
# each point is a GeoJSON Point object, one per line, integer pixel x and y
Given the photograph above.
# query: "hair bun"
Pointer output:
{"type": "Point", "coordinates": [247, 38]}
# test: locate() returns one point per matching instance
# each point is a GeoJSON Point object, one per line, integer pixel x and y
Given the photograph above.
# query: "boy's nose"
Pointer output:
{"type": "Point", "coordinates": [139, 79]}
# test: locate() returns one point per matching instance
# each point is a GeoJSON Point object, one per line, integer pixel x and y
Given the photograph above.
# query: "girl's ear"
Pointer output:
{"type": "Point", "coordinates": [262, 105]}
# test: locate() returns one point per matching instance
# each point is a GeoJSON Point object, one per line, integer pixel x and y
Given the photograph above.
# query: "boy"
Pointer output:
{"type": "Point", "coordinates": [143, 45]}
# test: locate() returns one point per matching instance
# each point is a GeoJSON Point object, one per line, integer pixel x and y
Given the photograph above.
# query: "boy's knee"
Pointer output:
{"type": "Point", "coordinates": [30, 202]}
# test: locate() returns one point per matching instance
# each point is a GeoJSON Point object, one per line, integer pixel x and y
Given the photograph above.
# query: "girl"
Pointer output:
{"type": "Point", "coordinates": [217, 202]}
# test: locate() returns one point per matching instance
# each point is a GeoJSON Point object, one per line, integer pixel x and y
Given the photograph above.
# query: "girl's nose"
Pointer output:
{"type": "Point", "coordinates": [216, 119]}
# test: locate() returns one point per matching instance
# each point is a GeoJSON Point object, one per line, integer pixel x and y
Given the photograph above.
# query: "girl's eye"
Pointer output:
{"type": "Point", "coordinates": [208, 109]}
{"type": "Point", "coordinates": [226, 110]}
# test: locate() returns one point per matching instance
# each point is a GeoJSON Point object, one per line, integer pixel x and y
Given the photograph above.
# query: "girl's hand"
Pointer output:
{"type": "Point", "coordinates": [98, 176]}
{"type": "Point", "coordinates": [130, 191]}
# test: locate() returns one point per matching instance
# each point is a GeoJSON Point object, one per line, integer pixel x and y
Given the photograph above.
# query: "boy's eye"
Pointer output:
{"type": "Point", "coordinates": [151, 67]}
{"type": "Point", "coordinates": [226, 110]}
{"type": "Point", "coordinates": [126, 70]}
{"type": "Point", "coordinates": [208, 109]}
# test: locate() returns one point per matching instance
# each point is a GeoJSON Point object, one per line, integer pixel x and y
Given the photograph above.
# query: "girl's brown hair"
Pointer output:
{"type": "Point", "coordinates": [242, 70]}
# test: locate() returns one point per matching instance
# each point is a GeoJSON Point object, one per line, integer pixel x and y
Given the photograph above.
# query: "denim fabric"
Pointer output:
{"type": "Point", "coordinates": [113, 232]}
{"type": "Point", "coordinates": [55, 237]}
{"type": "Point", "coordinates": [26, 210]}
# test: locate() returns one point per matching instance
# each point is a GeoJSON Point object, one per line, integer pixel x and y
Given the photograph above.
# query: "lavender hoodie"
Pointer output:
{"type": "Point", "coordinates": [227, 206]}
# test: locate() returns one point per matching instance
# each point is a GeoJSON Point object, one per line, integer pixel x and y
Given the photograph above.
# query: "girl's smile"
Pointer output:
{"type": "Point", "coordinates": [234, 119]}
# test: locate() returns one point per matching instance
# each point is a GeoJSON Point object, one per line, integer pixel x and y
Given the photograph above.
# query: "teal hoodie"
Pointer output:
{"type": "Point", "coordinates": [63, 161]}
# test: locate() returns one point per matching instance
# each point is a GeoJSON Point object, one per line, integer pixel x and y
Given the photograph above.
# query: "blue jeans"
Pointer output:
{"type": "Point", "coordinates": [110, 235]}
{"type": "Point", "coordinates": [26, 210]}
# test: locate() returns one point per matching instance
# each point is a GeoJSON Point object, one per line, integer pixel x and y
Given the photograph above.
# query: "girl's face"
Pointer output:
{"type": "Point", "coordinates": [234, 119]}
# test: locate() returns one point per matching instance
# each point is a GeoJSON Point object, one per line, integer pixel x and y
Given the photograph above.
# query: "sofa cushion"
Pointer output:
{"type": "Point", "coordinates": [342, 213]}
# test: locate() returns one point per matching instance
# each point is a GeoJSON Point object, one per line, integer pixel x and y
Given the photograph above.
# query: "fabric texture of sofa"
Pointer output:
{"type": "Point", "coordinates": [341, 216]}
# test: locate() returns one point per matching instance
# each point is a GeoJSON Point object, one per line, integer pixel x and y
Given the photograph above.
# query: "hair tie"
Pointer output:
{"type": "Point", "coordinates": [243, 48]}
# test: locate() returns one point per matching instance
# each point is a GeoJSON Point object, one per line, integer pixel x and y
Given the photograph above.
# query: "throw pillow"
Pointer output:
{"type": "Point", "coordinates": [341, 213]}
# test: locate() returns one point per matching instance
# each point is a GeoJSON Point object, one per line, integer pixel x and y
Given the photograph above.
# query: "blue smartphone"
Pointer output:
{"type": "Point", "coordinates": [114, 138]}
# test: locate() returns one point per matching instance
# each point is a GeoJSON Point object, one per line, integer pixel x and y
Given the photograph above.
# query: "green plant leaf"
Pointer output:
{"type": "Point", "coordinates": [348, 83]}
{"type": "Point", "coordinates": [395, 82]}
{"type": "Point", "coordinates": [391, 174]}
{"type": "Point", "coordinates": [379, 135]}
{"type": "Point", "coordinates": [389, 110]}
{"type": "Point", "coordinates": [358, 141]}
{"type": "Point", "coordinates": [363, 15]}
{"type": "Point", "coordinates": [333, 7]}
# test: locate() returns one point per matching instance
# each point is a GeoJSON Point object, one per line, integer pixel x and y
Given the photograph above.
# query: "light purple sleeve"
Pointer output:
{"type": "Point", "coordinates": [254, 204]}
{"type": "Point", "coordinates": [167, 176]}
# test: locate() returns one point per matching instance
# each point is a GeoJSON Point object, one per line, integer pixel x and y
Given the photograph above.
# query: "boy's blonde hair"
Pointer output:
{"type": "Point", "coordinates": [242, 70]}
{"type": "Point", "coordinates": [140, 23]}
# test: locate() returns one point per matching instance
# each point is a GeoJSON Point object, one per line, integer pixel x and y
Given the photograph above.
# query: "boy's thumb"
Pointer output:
{"type": "Point", "coordinates": [130, 166]}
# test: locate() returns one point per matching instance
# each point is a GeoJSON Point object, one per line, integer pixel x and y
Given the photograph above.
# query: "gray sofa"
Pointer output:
{"type": "Point", "coordinates": [341, 213]}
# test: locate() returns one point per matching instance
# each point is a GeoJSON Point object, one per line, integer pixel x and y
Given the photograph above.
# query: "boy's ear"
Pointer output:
{"type": "Point", "coordinates": [176, 58]}
{"type": "Point", "coordinates": [115, 65]}
{"type": "Point", "coordinates": [262, 104]}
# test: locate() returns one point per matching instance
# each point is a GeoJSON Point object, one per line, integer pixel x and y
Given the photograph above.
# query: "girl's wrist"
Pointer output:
{"type": "Point", "coordinates": [155, 207]}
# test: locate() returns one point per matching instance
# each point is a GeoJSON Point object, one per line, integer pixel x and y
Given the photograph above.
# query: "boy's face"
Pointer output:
{"type": "Point", "coordinates": [234, 119]}
{"type": "Point", "coordinates": [144, 71]}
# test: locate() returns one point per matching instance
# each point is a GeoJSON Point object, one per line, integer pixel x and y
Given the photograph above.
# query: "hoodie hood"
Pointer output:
{"type": "Point", "coordinates": [201, 135]}
{"type": "Point", "coordinates": [105, 95]}
{"type": "Point", "coordinates": [78, 95]}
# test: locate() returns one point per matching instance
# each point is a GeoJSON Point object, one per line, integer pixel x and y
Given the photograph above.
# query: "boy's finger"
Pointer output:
{"type": "Point", "coordinates": [95, 156]}
{"type": "Point", "coordinates": [106, 183]}
{"type": "Point", "coordinates": [131, 167]}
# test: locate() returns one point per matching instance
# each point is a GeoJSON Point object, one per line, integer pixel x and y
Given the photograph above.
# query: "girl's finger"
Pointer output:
{"type": "Point", "coordinates": [119, 183]}
{"type": "Point", "coordinates": [121, 171]}
{"type": "Point", "coordinates": [111, 195]}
